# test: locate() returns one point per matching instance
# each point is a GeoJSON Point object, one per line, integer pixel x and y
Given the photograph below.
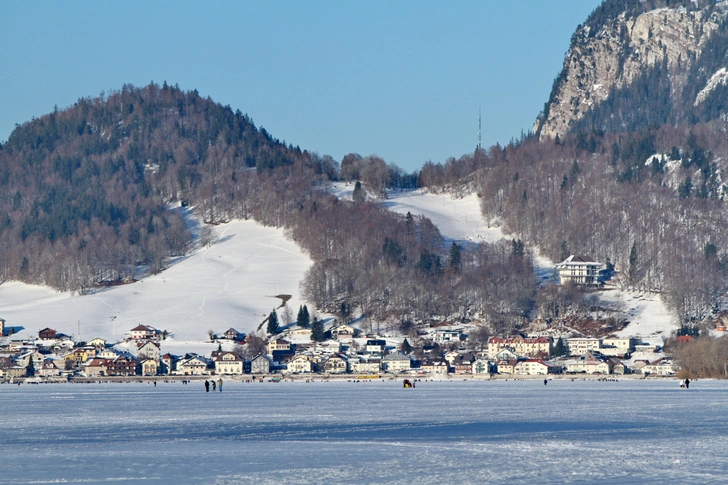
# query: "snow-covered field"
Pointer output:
{"type": "Point", "coordinates": [517, 432]}
{"type": "Point", "coordinates": [233, 283]}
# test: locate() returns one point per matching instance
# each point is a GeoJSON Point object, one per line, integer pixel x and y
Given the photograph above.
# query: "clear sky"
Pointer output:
{"type": "Point", "coordinates": [403, 80]}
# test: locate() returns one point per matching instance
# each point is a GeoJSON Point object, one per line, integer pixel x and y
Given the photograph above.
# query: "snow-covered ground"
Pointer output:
{"type": "Point", "coordinates": [233, 283]}
{"type": "Point", "coordinates": [494, 432]}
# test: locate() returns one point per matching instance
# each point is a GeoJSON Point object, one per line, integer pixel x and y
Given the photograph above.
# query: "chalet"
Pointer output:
{"type": "Point", "coordinates": [336, 364]}
{"type": "Point", "coordinates": [98, 343]}
{"type": "Point", "coordinates": [300, 364]}
{"type": "Point", "coordinates": [343, 332]}
{"type": "Point", "coordinates": [582, 345]}
{"type": "Point", "coordinates": [396, 362]}
{"type": "Point", "coordinates": [81, 355]}
{"type": "Point", "coordinates": [505, 354]}
{"type": "Point", "coordinates": [48, 369]}
{"type": "Point", "coordinates": [193, 365]}
{"type": "Point", "coordinates": [47, 334]}
{"type": "Point", "coordinates": [107, 354]}
{"type": "Point", "coordinates": [228, 363]}
{"type": "Point", "coordinates": [232, 334]}
{"type": "Point", "coordinates": [143, 332]}
{"type": "Point", "coordinates": [376, 346]}
{"type": "Point", "coordinates": [526, 346]}
{"type": "Point", "coordinates": [580, 270]}
{"type": "Point", "coordinates": [149, 367]}
{"type": "Point", "coordinates": [436, 366]}
{"type": "Point", "coordinates": [532, 367]}
{"type": "Point", "coordinates": [451, 356]}
{"type": "Point", "coordinates": [123, 366]}
{"type": "Point", "coordinates": [365, 366]}
{"type": "Point", "coordinates": [148, 350]}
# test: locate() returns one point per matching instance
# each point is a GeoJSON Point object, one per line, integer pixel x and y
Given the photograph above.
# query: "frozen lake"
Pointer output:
{"type": "Point", "coordinates": [515, 432]}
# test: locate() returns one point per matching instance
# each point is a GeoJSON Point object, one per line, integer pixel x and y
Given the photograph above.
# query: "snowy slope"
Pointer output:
{"type": "Point", "coordinates": [233, 283]}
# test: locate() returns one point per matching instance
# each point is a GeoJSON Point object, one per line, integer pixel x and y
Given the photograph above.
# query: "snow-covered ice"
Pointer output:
{"type": "Point", "coordinates": [494, 432]}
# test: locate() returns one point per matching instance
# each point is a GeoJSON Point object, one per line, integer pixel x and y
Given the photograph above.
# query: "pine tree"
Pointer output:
{"type": "Point", "coordinates": [405, 347]}
{"type": "Point", "coordinates": [560, 349]}
{"type": "Point", "coordinates": [306, 318]}
{"type": "Point", "coordinates": [633, 263]}
{"type": "Point", "coordinates": [455, 257]}
{"type": "Point", "coordinates": [317, 330]}
{"type": "Point", "coordinates": [273, 327]}
{"type": "Point", "coordinates": [30, 369]}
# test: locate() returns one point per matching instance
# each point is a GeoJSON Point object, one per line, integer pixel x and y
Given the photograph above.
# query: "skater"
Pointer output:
{"type": "Point", "coordinates": [155, 383]}
{"type": "Point", "coordinates": [213, 386]}
{"type": "Point", "coordinates": [545, 381]}
{"type": "Point", "coordinates": [219, 384]}
{"type": "Point", "coordinates": [687, 383]}
{"type": "Point", "coordinates": [207, 386]}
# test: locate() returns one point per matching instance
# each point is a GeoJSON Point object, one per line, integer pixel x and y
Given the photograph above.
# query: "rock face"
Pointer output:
{"type": "Point", "coordinates": [616, 53]}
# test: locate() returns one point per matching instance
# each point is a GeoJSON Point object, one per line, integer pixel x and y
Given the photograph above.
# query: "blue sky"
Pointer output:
{"type": "Point", "coordinates": [403, 80]}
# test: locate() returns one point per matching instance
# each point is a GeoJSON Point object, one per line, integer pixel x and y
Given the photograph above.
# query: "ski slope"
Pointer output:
{"type": "Point", "coordinates": [233, 283]}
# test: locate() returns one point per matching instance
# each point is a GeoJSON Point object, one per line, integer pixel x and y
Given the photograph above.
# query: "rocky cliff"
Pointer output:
{"type": "Point", "coordinates": [611, 53]}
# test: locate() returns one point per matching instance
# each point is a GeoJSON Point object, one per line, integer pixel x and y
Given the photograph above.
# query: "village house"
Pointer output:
{"type": "Point", "coordinates": [504, 354]}
{"type": "Point", "coordinates": [98, 343]}
{"type": "Point", "coordinates": [232, 334]}
{"type": "Point", "coordinates": [580, 270]}
{"type": "Point", "coordinates": [107, 353]}
{"type": "Point", "coordinates": [168, 363]}
{"type": "Point", "coordinates": [365, 366]}
{"type": "Point", "coordinates": [260, 365]}
{"type": "Point", "coordinates": [445, 336]}
{"type": "Point", "coordinates": [589, 363]}
{"type": "Point", "coordinates": [300, 333]}
{"type": "Point", "coordinates": [463, 363]}
{"type": "Point", "coordinates": [95, 367]}
{"type": "Point", "coordinates": [525, 346]}
{"type": "Point", "coordinates": [451, 356]}
{"type": "Point", "coordinates": [506, 366]}
{"type": "Point", "coordinates": [617, 346]}
{"type": "Point", "coordinates": [375, 346]}
{"type": "Point", "coordinates": [480, 366]}
{"type": "Point", "coordinates": [300, 364]}
{"type": "Point", "coordinates": [532, 367]}
{"type": "Point", "coordinates": [149, 367]}
{"type": "Point", "coordinates": [278, 345]}
{"type": "Point", "coordinates": [396, 362]}
{"type": "Point", "coordinates": [148, 350]}
{"type": "Point", "coordinates": [582, 345]}
{"type": "Point", "coordinates": [343, 333]}
{"type": "Point", "coordinates": [193, 365]}
{"type": "Point", "coordinates": [662, 367]}
{"type": "Point", "coordinates": [47, 334]}
{"type": "Point", "coordinates": [228, 363]}
{"type": "Point", "coordinates": [436, 366]}
{"type": "Point", "coordinates": [48, 369]}
{"type": "Point", "coordinates": [336, 364]}
{"type": "Point", "coordinates": [143, 332]}
{"type": "Point", "coordinates": [122, 366]}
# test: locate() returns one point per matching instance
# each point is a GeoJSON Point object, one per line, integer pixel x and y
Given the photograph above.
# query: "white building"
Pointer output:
{"type": "Point", "coordinates": [228, 363]}
{"type": "Point", "coordinates": [396, 362]}
{"type": "Point", "coordinates": [580, 270]}
{"type": "Point", "coordinates": [582, 345]}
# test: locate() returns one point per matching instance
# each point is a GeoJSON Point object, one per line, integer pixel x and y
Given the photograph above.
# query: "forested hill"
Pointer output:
{"type": "Point", "coordinates": [635, 64]}
{"type": "Point", "coordinates": [84, 191]}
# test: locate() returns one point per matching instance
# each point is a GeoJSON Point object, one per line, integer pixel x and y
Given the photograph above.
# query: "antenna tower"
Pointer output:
{"type": "Point", "coordinates": [479, 117]}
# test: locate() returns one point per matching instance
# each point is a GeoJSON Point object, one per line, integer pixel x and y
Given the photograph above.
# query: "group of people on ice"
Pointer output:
{"type": "Point", "coordinates": [212, 382]}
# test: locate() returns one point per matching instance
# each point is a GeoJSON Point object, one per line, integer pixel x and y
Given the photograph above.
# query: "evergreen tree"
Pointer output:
{"type": "Point", "coordinates": [30, 369]}
{"type": "Point", "coordinates": [273, 327]}
{"type": "Point", "coordinates": [304, 319]}
{"type": "Point", "coordinates": [455, 257]}
{"type": "Point", "coordinates": [633, 263]}
{"type": "Point", "coordinates": [358, 194]}
{"type": "Point", "coordinates": [560, 348]}
{"type": "Point", "coordinates": [405, 347]}
{"type": "Point", "coordinates": [317, 330]}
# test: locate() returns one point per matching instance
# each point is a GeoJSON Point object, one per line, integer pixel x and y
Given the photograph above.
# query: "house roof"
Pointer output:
{"type": "Point", "coordinates": [142, 328]}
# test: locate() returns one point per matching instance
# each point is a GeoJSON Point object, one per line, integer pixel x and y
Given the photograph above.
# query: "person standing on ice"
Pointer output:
{"type": "Point", "coordinates": [207, 386]}
{"type": "Point", "coordinates": [213, 385]}
{"type": "Point", "coordinates": [219, 384]}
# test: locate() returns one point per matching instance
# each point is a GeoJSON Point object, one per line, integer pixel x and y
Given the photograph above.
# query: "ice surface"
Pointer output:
{"type": "Point", "coordinates": [517, 432]}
